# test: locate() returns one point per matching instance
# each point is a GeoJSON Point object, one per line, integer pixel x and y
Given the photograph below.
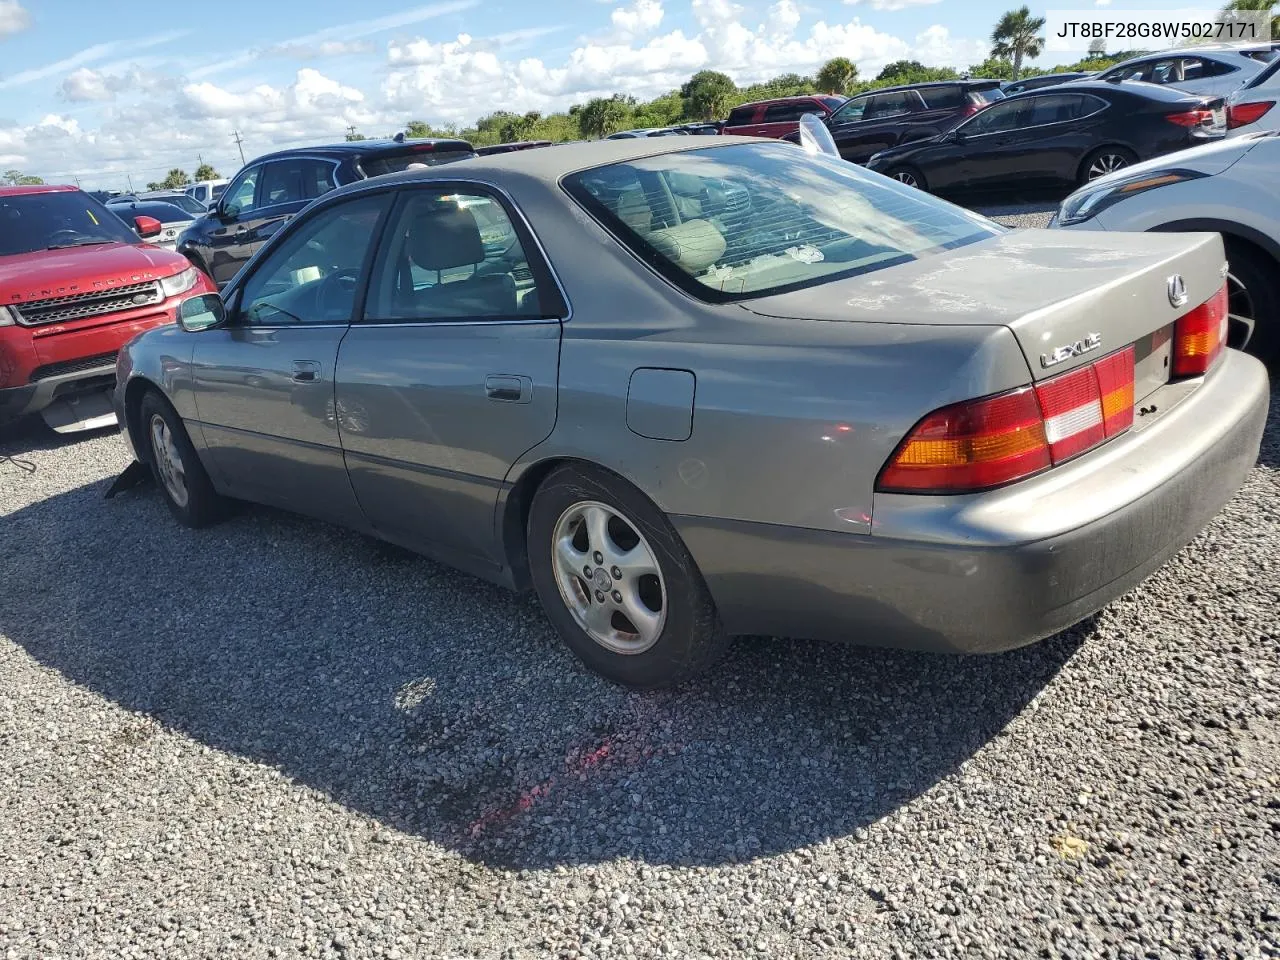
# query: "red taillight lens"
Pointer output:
{"type": "Point", "coordinates": [988, 443]}
{"type": "Point", "coordinates": [1243, 114]}
{"type": "Point", "coordinates": [971, 446]}
{"type": "Point", "coordinates": [1191, 118]}
{"type": "Point", "coordinates": [1200, 336]}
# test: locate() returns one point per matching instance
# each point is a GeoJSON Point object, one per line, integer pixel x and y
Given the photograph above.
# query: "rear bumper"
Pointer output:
{"type": "Point", "coordinates": [995, 571]}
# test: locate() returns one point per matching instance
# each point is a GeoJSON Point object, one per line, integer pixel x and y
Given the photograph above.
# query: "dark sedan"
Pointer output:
{"type": "Point", "coordinates": [1056, 138]}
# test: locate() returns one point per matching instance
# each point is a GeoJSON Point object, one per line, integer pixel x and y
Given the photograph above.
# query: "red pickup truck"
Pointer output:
{"type": "Point", "coordinates": [76, 284]}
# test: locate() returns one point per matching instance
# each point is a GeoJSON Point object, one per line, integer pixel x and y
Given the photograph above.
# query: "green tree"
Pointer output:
{"type": "Point", "coordinates": [1097, 49]}
{"type": "Point", "coordinates": [837, 76]}
{"type": "Point", "coordinates": [993, 68]}
{"type": "Point", "coordinates": [16, 178]}
{"type": "Point", "coordinates": [898, 70]}
{"type": "Point", "coordinates": [354, 136]}
{"type": "Point", "coordinates": [1017, 37]}
{"type": "Point", "coordinates": [206, 172]}
{"type": "Point", "coordinates": [1267, 6]}
{"type": "Point", "coordinates": [418, 130]}
{"type": "Point", "coordinates": [707, 95]}
{"type": "Point", "coordinates": [176, 178]}
{"type": "Point", "coordinates": [155, 185]}
{"type": "Point", "coordinates": [605, 115]}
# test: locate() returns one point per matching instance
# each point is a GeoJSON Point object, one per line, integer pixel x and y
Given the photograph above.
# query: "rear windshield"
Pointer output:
{"type": "Point", "coordinates": [394, 162]}
{"type": "Point", "coordinates": [57, 221]}
{"type": "Point", "coordinates": [730, 223]}
{"type": "Point", "coordinates": [163, 211]}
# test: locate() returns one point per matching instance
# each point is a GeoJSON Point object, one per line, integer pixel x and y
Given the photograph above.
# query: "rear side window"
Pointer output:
{"type": "Point", "coordinates": [380, 164]}
{"type": "Point", "coordinates": [1055, 108]}
{"type": "Point", "coordinates": [1267, 79]}
{"type": "Point", "coordinates": [784, 112]}
{"type": "Point", "coordinates": [943, 98]}
{"type": "Point", "coordinates": [296, 180]}
{"type": "Point", "coordinates": [741, 116]}
{"type": "Point", "coordinates": [832, 103]}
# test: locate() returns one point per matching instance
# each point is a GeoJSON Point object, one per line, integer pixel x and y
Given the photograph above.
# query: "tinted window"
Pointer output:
{"type": "Point", "coordinates": [1267, 78]}
{"type": "Point", "coordinates": [311, 277]}
{"type": "Point", "coordinates": [943, 98]}
{"type": "Point", "coordinates": [40, 221]}
{"type": "Point", "coordinates": [855, 109]}
{"type": "Point", "coordinates": [998, 117]}
{"type": "Point", "coordinates": [1055, 108]}
{"type": "Point", "coordinates": [734, 222]}
{"type": "Point", "coordinates": [781, 112]}
{"type": "Point", "coordinates": [741, 116]}
{"type": "Point", "coordinates": [295, 180]}
{"type": "Point", "coordinates": [241, 191]}
{"type": "Point", "coordinates": [452, 257]}
{"type": "Point", "coordinates": [164, 212]}
{"type": "Point", "coordinates": [425, 156]}
{"type": "Point", "coordinates": [886, 105]}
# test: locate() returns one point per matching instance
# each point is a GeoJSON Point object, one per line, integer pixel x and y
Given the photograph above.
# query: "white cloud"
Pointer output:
{"type": "Point", "coordinates": [88, 84]}
{"type": "Point", "coordinates": [642, 17]}
{"type": "Point", "coordinates": [312, 94]}
{"type": "Point", "coordinates": [99, 51]}
{"type": "Point", "coordinates": [891, 5]}
{"type": "Point", "coordinates": [784, 17]}
{"type": "Point", "coordinates": [1102, 3]}
{"type": "Point", "coordinates": [13, 17]}
{"type": "Point", "coordinates": [321, 48]}
{"type": "Point", "coordinates": [936, 47]}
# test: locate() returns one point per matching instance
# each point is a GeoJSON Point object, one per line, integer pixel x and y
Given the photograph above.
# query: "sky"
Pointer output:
{"type": "Point", "coordinates": [98, 92]}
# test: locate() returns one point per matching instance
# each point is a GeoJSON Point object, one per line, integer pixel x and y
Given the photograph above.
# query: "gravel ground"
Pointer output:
{"type": "Point", "coordinates": [278, 739]}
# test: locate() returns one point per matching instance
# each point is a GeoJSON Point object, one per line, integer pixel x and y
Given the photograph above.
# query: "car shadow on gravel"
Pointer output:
{"type": "Point", "coordinates": [30, 434]}
{"type": "Point", "coordinates": [444, 707]}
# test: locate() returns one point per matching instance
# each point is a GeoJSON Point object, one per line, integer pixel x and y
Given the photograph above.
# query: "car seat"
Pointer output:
{"type": "Point", "coordinates": [447, 237]}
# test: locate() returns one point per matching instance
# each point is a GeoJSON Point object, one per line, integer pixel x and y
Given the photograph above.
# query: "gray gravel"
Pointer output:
{"type": "Point", "coordinates": [278, 739]}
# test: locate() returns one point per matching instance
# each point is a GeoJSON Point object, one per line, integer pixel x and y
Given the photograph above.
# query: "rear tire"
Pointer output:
{"type": "Point", "coordinates": [1254, 298]}
{"type": "Point", "coordinates": [909, 176]}
{"type": "Point", "coordinates": [652, 625]}
{"type": "Point", "coordinates": [1105, 160]}
{"type": "Point", "coordinates": [178, 472]}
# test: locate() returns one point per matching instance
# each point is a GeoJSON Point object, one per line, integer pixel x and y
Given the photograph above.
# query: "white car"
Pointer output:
{"type": "Point", "coordinates": [1214, 71]}
{"type": "Point", "coordinates": [207, 191]}
{"type": "Point", "coordinates": [173, 219]}
{"type": "Point", "coordinates": [1251, 109]}
{"type": "Point", "coordinates": [1231, 187]}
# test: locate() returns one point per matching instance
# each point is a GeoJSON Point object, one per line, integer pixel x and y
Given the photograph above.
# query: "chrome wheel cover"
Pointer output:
{"type": "Point", "coordinates": [1241, 313]}
{"type": "Point", "coordinates": [1107, 163]}
{"type": "Point", "coordinates": [609, 577]}
{"type": "Point", "coordinates": [902, 176]}
{"type": "Point", "coordinates": [173, 473]}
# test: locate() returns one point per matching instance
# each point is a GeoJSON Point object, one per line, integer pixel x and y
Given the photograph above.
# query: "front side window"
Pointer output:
{"type": "Point", "coordinates": [240, 194]}
{"type": "Point", "coordinates": [852, 111]}
{"type": "Point", "coordinates": [729, 223]}
{"type": "Point", "coordinates": [56, 221]}
{"type": "Point", "coordinates": [887, 105]}
{"type": "Point", "coordinates": [453, 256]}
{"type": "Point", "coordinates": [312, 276]}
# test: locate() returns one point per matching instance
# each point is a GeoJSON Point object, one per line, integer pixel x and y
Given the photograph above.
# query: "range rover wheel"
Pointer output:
{"type": "Point", "coordinates": [617, 583]}
{"type": "Point", "coordinates": [177, 469]}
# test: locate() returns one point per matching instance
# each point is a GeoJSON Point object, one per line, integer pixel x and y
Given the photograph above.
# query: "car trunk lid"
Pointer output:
{"type": "Point", "coordinates": [1069, 297]}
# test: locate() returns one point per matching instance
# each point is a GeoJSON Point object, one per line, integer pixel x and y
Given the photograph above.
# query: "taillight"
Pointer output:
{"type": "Point", "coordinates": [1243, 114]}
{"type": "Point", "coordinates": [1200, 336]}
{"type": "Point", "coordinates": [1191, 118]}
{"type": "Point", "coordinates": [971, 446]}
{"type": "Point", "coordinates": [996, 440]}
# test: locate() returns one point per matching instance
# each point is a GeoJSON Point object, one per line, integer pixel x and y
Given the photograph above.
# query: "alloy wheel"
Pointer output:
{"type": "Point", "coordinates": [609, 577]}
{"type": "Point", "coordinates": [1106, 163]}
{"type": "Point", "coordinates": [1241, 315]}
{"type": "Point", "coordinates": [904, 176]}
{"type": "Point", "coordinates": [168, 461]}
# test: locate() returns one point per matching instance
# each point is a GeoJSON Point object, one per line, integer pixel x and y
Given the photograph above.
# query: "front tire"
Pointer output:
{"type": "Point", "coordinates": [617, 583]}
{"type": "Point", "coordinates": [178, 472]}
{"type": "Point", "coordinates": [1253, 304]}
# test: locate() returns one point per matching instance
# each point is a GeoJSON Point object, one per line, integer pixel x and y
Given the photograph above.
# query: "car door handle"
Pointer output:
{"type": "Point", "coordinates": [508, 389]}
{"type": "Point", "coordinates": [306, 371]}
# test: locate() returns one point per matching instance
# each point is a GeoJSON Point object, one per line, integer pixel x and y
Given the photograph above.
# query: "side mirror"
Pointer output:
{"type": "Point", "coordinates": [147, 226]}
{"type": "Point", "coordinates": [956, 136]}
{"type": "Point", "coordinates": [202, 313]}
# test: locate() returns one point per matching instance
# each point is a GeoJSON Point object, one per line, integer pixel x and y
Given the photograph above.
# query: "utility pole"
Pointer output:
{"type": "Point", "coordinates": [351, 129]}
{"type": "Point", "coordinates": [129, 177]}
{"type": "Point", "coordinates": [239, 141]}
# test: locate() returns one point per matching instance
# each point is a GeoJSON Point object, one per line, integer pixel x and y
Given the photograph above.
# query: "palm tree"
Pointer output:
{"type": "Point", "coordinates": [836, 76]}
{"type": "Point", "coordinates": [1267, 6]}
{"type": "Point", "coordinates": [1017, 35]}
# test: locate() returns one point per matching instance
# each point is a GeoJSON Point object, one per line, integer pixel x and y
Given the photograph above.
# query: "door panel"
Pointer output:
{"type": "Point", "coordinates": [264, 385]}
{"type": "Point", "coordinates": [453, 374]}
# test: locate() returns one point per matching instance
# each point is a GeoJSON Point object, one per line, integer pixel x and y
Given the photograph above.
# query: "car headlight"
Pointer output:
{"type": "Point", "coordinates": [6, 317]}
{"type": "Point", "coordinates": [178, 283]}
{"type": "Point", "coordinates": [1090, 201]}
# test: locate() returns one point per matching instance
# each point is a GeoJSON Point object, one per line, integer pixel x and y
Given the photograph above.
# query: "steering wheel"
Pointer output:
{"type": "Point", "coordinates": [337, 294]}
{"type": "Point", "coordinates": [66, 235]}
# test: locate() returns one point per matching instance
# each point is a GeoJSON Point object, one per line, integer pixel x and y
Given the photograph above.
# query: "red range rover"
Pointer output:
{"type": "Point", "coordinates": [76, 284]}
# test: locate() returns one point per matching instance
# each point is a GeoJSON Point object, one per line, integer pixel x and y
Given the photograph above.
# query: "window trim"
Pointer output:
{"type": "Point", "coordinates": [561, 311]}
{"type": "Point", "coordinates": [256, 165]}
{"type": "Point", "coordinates": [647, 256]}
{"type": "Point", "coordinates": [337, 164]}
{"type": "Point", "coordinates": [236, 314]}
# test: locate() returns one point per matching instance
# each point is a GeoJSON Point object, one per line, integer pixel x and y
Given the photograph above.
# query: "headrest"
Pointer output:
{"type": "Point", "coordinates": [445, 236]}
{"type": "Point", "coordinates": [694, 245]}
{"type": "Point", "coordinates": [632, 208]}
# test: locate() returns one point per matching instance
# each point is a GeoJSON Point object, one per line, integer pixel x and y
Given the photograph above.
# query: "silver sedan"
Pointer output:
{"type": "Point", "coordinates": [687, 390]}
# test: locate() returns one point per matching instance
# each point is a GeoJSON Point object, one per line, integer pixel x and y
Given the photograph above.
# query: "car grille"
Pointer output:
{"type": "Point", "coordinates": [95, 303]}
{"type": "Point", "coordinates": [72, 366]}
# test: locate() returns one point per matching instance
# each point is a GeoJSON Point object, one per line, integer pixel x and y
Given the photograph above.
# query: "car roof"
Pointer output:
{"type": "Point", "coordinates": [793, 99]}
{"type": "Point", "coordinates": [1152, 91]}
{"type": "Point", "coordinates": [930, 84]}
{"type": "Point", "coordinates": [357, 148]}
{"type": "Point", "coordinates": [38, 188]}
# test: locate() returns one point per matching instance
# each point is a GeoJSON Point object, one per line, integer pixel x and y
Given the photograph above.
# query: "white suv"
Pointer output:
{"type": "Point", "coordinates": [1231, 187]}
{"type": "Point", "coordinates": [1214, 71]}
{"type": "Point", "coordinates": [207, 191]}
{"type": "Point", "coordinates": [1252, 108]}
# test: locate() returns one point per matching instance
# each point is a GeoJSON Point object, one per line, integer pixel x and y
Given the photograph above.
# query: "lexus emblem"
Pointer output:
{"type": "Point", "coordinates": [1177, 291]}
